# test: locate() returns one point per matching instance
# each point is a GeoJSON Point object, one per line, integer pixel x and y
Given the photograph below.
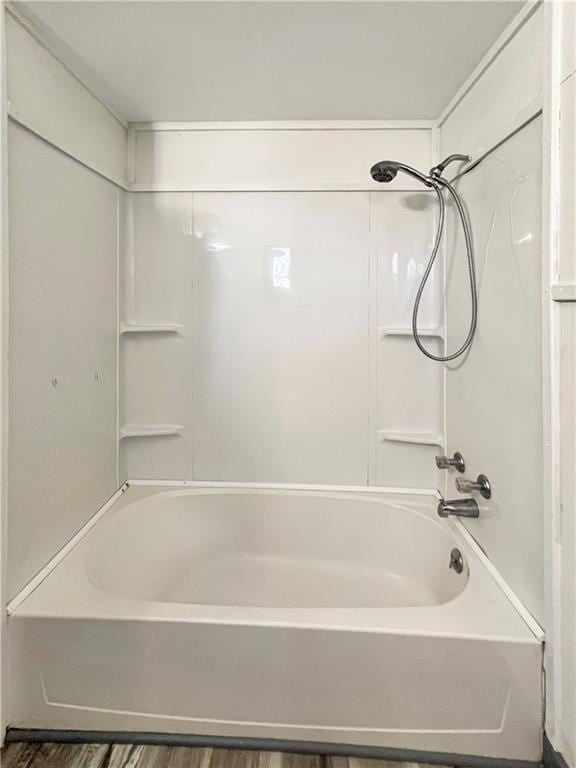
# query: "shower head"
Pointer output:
{"type": "Point", "coordinates": [386, 170]}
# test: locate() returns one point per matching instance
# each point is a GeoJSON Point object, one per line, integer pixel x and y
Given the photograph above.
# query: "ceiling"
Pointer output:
{"type": "Point", "coordinates": [221, 61]}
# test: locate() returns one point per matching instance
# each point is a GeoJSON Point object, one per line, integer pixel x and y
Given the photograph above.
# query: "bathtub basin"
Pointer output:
{"type": "Point", "coordinates": [320, 615]}
{"type": "Point", "coordinates": [275, 550]}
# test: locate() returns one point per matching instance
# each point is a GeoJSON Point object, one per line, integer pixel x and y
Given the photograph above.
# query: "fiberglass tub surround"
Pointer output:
{"type": "Point", "coordinates": [279, 613]}
{"type": "Point", "coordinates": [245, 316]}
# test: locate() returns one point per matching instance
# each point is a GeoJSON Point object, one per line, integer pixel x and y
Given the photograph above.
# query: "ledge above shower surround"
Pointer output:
{"type": "Point", "coordinates": [187, 158]}
{"type": "Point", "coordinates": [46, 98]}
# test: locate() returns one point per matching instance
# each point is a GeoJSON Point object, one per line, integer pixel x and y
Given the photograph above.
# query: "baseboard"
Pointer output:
{"type": "Point", "coordinates": [551, 758]}
{"type": "Point", "coordinates": [272, 745]}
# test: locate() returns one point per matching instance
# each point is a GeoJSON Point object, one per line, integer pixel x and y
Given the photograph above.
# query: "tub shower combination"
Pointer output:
{"type": "Point", "coordinates": [325, 615]}
{"type": "Point", "coordinates": [266, 614]}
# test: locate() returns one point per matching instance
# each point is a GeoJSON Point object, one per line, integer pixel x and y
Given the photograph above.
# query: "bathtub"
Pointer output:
{"type": "Point", "coordinates": [310, 615]}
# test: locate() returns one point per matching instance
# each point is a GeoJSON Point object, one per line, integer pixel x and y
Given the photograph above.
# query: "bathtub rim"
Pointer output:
{"type": "Point", "coordinates": [38, 599]}
{"type": "Point", "coordinates": [62, 553]}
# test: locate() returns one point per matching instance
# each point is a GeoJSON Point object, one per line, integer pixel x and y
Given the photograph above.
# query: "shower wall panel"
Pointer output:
{"type": "Point", "coordinates": [155, 364]}
{"type": "Point", "coordinates": [66, 155]}
{"type": "Point", "coordinates": [407, 387]}
{"type": "Point", "coordinates": [494, 394]}
{"type": "Point", "coordinates": [63, 350]}
{"type": "Point", "coordinates": [281, 337]}
{"type": "Point", "coordinates": [265, 339]}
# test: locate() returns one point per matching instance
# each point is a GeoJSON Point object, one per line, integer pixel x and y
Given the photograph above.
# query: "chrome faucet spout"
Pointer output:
{"type": "Point", "coordinates": [458, 508]}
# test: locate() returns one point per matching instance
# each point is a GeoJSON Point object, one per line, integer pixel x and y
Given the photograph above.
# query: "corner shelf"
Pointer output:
{"type": "Point", "coordinates": [431, 332]}
{"type": "Point", "coordinates": [415, 438]}
{"type": "Point", "coordinates": [151, 328]}
{"type": "Point", "coordinates": [563, 292]}
{"type": "Point", "coordinates": [150, 430]}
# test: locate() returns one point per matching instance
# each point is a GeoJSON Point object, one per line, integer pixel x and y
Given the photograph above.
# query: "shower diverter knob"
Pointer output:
{"type": "Point", "coordinates": [457, 461]}
{"type": "Point", "coordinates": [481, 484]}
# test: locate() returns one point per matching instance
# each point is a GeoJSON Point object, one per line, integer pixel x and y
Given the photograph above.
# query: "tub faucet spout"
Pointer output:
{"type": "Point", "coordinates": [458, 508]}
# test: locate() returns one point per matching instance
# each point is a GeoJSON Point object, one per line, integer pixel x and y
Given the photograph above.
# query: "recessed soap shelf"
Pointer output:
{"type": "Point", "coordinates": [415, 438]}
{"type": "Point", "coordinates": [150, 430]}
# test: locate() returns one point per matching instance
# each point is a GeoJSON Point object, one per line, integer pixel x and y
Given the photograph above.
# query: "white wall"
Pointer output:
{"type": "Point", "coordinates": [50, 101]}
{"type": "Point", "coordinates": [3, 373]}
{"type": "Point", "coordinates": [63, 340]}
{"type": "Point", "coordinates": [494, 395]}
{"type": "Point", "coordinates": [64, 216]}
{"type": "Point", "coordinates": [487, 114]}
{"type": "Point", "coordinates": [187, 158]}
{"type": "Point", "coordinates": [559, 306]}
{"type": "Point", "coordinates": [380, 240]}
{"type": "Point", "coordinates": [315, 382]}
{"type": "Point", "coordinates": [281, 337]}
{"type": "Point", "coordinates": [404, 391]}
{"type": "Point", "coordinates": [504, 91]}
{"type": "Point", "coordinates": [562, 720]}
{"type": "Point", "coordinates": [283, 367]}
{"type": "Point", "coordinates": [408, 423]}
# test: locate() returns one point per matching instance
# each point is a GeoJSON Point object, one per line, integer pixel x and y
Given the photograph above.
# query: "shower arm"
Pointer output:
{"type": "Point", "coordinates": [437, 171]}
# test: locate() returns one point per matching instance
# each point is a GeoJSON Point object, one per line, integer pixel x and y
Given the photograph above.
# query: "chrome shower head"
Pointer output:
{"type": "Point", "coordinates": [386, 170]}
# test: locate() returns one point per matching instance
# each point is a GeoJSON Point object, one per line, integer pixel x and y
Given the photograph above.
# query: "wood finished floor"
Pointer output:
{"type": "Point", "coordinates": [22, 755]}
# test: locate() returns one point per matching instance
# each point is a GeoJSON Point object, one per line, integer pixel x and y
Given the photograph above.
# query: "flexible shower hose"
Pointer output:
{"type": "Point", "coordinates": [438, 184]}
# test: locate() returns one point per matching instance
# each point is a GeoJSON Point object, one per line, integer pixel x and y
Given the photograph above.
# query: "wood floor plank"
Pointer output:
{"type": "Point", "coordinates": [53, 755]}
{"type": "Point", "coordinates": [18, 755]}
{"type": "Point", "coordinates": [303, 761]}
{"type": "Point", "coordinates": [69, 756]}
{"type": "Point", "coordinates": [234, 758]}
{"type": "Point", "coordinates": [270, 760]}
{"type": "Point", "coordinates": [91, 756]}
{"type": "Point", "coordinates": [357, 762]}
{"type": "Point", "coordinates": [152, 757]}
{"type": "Point", "coordinates": [173, 757]}
{"type": "Point", "coordinates": [123, 756]}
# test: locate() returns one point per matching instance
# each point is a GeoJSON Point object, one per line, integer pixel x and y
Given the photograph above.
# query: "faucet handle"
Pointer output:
{"type": "Point", "coordinates": [457, 461]}
{"type": "Point", "coordinates": [481, 484]}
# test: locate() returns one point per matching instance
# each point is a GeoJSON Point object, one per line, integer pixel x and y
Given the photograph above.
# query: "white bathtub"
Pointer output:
{"type": "Point", "coordinates": [309, 615]}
